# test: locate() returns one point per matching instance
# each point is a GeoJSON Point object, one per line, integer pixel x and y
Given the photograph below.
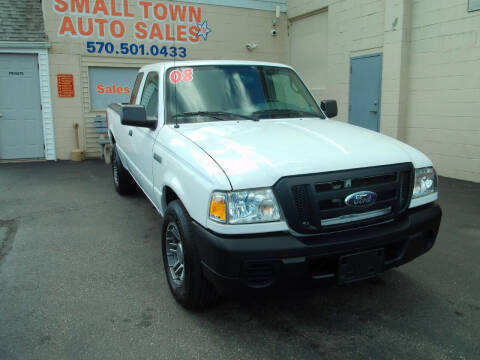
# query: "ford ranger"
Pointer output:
{"type": "Point", "coordinates": [257, 186]}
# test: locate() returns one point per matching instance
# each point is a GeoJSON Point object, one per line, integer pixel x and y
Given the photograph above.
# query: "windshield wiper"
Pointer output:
{"type": "Point", "coordinates": [214, 114]}
{"type": "Point", "coordinates": [285, 112]}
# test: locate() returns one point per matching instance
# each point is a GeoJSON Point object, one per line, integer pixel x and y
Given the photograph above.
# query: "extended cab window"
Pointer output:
{"type": "Point", "coordinates": [150, 95]}
{"type": "Point", "coordinates": [136, 87]}
{"type": "Point", "coordinates": [236, 92]}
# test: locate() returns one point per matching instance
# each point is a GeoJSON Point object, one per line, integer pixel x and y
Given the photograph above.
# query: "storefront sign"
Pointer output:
{"type": "Point", "coordinates": [166, 26]}
{"type": "Point", "coordinates": [110, 85]}
{"type": "Point", "coordinates": [65, 85]}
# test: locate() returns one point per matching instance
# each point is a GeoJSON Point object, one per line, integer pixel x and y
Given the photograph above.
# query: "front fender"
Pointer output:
{"type": "Point", "coordinates": [188, 171]}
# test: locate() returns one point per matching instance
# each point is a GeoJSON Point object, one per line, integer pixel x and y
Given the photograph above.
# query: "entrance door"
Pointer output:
{"type": "Point", "coordinates": [365, 90]}
{"type": "Point", "coordinates": [21, 130]}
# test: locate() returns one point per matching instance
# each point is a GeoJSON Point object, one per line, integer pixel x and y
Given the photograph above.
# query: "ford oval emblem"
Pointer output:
{"type": "Point", "coordinates": [361, 198]}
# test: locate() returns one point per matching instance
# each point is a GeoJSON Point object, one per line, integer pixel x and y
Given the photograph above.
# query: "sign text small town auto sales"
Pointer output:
{"type": "Point", "coordinates": [158, 21]}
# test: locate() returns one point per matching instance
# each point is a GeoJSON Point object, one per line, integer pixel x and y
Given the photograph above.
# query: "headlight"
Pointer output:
{"type": "Point", "coordinates": [244, 207]}
{"type": "Point", "coordinates": [425, 182]}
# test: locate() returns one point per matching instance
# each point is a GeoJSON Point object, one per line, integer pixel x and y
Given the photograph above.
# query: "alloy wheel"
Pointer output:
{"type": "Point", "coordinates": [175, 254]}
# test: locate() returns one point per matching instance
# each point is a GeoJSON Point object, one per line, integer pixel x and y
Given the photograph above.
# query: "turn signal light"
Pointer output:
{"type": "Point", "coordinates": [218, 208]}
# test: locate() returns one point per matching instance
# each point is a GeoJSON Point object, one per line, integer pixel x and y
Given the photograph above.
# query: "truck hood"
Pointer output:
{"type": "Point", "coordinates": [257, 154]}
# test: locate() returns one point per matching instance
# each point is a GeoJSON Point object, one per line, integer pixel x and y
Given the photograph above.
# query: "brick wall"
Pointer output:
{"type": "Point", "coordinates": [354, 28]}
{"type": "Point", "coordinates": [430, 77]}
{"type": "Point", "coordinates": [444, 86]}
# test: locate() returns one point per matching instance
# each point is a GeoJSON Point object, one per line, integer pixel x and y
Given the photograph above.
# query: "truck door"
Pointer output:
{"type": "Point", "coordinates": [142, 139]}
{"type": "Point", "coordinates": [124, 139]}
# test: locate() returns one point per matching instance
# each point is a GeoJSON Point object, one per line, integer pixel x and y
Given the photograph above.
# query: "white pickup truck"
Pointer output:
{"type": "Point", "coordinates": [258, 188]}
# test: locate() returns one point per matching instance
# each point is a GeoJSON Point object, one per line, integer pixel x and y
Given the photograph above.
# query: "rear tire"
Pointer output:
{"type": "Point", "coordinates": [182, 262]}
{"type": "Point", "coordinates": [122, 180]}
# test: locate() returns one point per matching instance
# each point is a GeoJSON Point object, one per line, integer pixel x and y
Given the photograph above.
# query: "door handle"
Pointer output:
{"type": "Point", "coordinates": [130, 132]}
{"type": "Point", "coordinates": [1, 115]}
{"type": "Point", "coordinates": [375, 109]}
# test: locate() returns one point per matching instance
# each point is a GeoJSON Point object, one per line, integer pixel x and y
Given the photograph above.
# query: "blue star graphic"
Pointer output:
{"type": "Point", "coordinates": [203, 29]}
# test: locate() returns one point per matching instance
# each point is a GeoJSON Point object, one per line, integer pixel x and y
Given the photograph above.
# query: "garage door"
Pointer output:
{"type": "Point", "coordinates": [309, 50]}
{"type": "Point", "coordinates": [21, 132]}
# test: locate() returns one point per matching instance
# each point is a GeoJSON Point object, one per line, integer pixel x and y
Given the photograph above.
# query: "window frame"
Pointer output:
{"type": "Point", "coordinates": [136, 88]}
{"type": "Point", "coordinates": [145, 83]}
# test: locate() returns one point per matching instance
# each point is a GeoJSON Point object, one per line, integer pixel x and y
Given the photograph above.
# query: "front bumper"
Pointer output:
{"type": "Point", "coordinates": [238, 264]}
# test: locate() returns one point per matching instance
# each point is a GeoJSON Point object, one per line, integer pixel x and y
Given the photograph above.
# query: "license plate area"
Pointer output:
{"type": "Point", "coordinates": [360, 266]}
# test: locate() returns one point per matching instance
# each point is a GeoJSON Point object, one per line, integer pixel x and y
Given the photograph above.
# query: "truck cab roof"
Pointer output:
{"type": "Point", "coordinates": [160, 66]}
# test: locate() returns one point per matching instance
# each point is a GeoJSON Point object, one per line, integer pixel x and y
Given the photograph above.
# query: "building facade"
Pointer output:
{"type": "Point", "coordinates": [105, 42]}
{"type": "Point", "coordinates": [406, 68]}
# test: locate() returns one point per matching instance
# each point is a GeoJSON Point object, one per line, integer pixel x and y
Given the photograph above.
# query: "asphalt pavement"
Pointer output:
{"type": "Point", "coordinates": [81, 277]}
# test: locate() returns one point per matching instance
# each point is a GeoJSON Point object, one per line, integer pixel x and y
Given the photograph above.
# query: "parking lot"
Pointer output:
{"type": "Point", "coordinates": [81, 277]}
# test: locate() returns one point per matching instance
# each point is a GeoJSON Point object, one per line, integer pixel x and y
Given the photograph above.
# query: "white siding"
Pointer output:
{"type": "Point", "coordinates": [48, 129]}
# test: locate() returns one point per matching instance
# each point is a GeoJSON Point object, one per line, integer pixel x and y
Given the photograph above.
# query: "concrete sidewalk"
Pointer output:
{"type": "Point", "coordinates": [81, 277]}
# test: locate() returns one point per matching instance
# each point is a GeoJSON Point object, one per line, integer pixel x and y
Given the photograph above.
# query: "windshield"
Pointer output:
{"type": "Point", "coordinates": [223, 92]}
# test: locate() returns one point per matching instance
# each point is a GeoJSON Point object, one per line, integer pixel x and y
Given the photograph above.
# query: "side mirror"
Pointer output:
{"type": "Point", "coordinates": [136, 115]}
{"type": "Point", "coordinates": [329, 107]}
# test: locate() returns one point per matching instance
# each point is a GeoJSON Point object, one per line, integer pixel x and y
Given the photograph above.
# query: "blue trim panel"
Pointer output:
{"type": "Point", "coordinates": [473, 5]}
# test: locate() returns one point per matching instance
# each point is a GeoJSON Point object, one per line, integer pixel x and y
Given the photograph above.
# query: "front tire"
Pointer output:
{"type": "Point", "coordinates": [122, 180]}
{"type": "Point", "coordinates": [181, 261]}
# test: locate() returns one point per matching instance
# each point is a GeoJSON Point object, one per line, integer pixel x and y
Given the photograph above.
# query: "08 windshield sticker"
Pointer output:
{"type": "Point", "coordinates": [185, 75]}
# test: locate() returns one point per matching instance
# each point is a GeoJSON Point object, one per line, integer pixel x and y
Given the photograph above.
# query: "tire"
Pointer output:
{"type": "Point", "coordinates": [188, 286]}
{"type": "Point", "coordinates": [122, 180]}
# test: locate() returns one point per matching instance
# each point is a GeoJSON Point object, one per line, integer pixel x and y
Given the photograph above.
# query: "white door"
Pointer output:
{"type": "Point", "coordinates": [21, 128]}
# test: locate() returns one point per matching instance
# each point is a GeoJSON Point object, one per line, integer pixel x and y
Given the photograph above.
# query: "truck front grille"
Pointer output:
{"type": "Point", "coordinates": [316, 203]}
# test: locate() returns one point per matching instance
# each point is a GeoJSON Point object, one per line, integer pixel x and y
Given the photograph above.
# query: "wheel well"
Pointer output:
{"type": "Point", "coordinates": [170, 195]}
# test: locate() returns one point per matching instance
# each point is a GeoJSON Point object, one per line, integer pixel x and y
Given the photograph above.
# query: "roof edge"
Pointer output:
{"type": "Point", "coordinates": [182, 63]}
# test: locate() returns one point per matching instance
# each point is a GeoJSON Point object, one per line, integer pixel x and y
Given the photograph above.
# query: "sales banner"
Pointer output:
{"type": "Point", "coordinates": [110, 85]}
{"type": "Point", "coordinates": [141, 28]}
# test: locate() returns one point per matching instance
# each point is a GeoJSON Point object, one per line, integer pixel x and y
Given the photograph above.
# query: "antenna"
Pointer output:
{"type": "Point", "coordinates": [174, 64]}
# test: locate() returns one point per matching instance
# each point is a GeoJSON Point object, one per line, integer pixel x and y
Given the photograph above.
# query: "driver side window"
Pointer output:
{"type": "Point", "coordinates": [150, 96]}
{"type": "Point", "coordinates": [287, 91]}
